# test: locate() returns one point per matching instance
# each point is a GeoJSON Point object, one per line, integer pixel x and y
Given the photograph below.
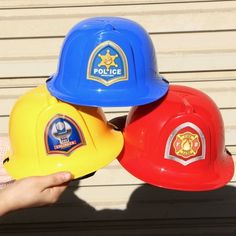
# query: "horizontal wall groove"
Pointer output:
{"type": "Point", "coordinates": [192, 32]}
{"type": "Point", "coordinates": [150, 33]}
{"type": "Point", "coordinates": [196, 71]}
{"type": "Point", "coordinates": [33, 37]}
{"type": "Point", "coordinates": [202, 81]}
{"type": "Point", "coordinates": [111, 4]}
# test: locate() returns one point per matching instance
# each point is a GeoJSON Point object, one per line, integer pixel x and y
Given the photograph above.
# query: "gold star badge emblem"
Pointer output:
{"type": "Point", "coordinates": [107, 60]}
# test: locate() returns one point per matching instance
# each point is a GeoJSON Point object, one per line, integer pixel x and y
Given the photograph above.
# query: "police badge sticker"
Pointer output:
{"type": "Point", "coordinates": [186, 144]}
{"type": "Point", "coordinates": [107, 64]}
{"type": "Point", "coordinates": [62, 135]}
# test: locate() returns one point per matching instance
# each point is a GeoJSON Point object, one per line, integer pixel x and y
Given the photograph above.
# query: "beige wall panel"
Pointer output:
{"type": "Point", "coordinates": [4, 126]}
{"type": "Point", "coordinates": [177, 52]}
{"type": "Point", "coordinates": [168, 62]}
{"type": "Point", "coordinates": [200, 76]}
{"type": "Point", "coordinates": [21, 82]}
{"type": "Point", "coordinates": [197, 61]}
{"type": "Point", "coordinates": [28, 48]}
{"type": "Point", "coordinates": [195, 42]}
{"type": "Point", "coordinates": [182, 43]}
{"type": "Point", "coordinates": [161, 18]}
{"type": "Point", "coordinates": [232, 149]}
{"type": "Point", "coordinates": [13, 92]}
{"type": "Point", "coordinates": [222, 92]}
{"type": "Point", "coordinates": [58, 3]}
{"type": "Point", "coordinates": [28, 68]}
{"type": "Point", "coordinates": [172, 77]}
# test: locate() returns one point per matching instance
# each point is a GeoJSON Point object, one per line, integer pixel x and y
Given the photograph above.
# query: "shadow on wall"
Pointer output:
{"type": "Point", "coordinates": [150, 211]}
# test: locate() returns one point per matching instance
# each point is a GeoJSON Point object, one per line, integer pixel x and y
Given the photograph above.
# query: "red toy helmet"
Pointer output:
{"type": "Point", "coordinates": [177, 142]}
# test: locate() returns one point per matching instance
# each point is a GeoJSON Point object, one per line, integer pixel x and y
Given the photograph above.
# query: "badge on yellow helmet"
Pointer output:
{"type": "Point", "coordinates": [63, 135]}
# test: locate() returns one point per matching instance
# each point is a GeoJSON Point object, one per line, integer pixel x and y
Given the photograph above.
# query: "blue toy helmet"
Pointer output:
{"type": "Point", "coordinates": [107, 62]}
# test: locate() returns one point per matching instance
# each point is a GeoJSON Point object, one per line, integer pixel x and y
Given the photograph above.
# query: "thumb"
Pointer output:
{"type": "Point", "coordinates": [56, 179]}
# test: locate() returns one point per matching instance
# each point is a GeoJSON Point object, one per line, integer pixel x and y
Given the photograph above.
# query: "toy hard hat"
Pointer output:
{"type": "Point", "coordinates": [177, 142]}
{"type": "Point", "coordinates": [107, 61]}
{"type": "Point", "coordinates": [48, 135]}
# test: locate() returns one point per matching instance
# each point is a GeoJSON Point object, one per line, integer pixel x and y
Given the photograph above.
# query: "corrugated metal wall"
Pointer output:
{"type": "Point", "coordinates": [195, 43]}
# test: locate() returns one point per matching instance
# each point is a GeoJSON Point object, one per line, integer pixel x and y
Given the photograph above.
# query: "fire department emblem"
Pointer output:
{"type": "Point", "coordinates": [107, 64]}
{"type": "Point", "coordinates": [186, 144]}
{"type": "Point", "coordinates": [62, 135]}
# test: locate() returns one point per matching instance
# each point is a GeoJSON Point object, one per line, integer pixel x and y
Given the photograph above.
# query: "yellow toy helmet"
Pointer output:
{"type": "Point", "coordinates": [48, 135]}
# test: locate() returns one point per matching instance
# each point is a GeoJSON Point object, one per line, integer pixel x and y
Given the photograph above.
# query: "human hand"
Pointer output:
{"type": "Point", "coordinates": [33, 191]}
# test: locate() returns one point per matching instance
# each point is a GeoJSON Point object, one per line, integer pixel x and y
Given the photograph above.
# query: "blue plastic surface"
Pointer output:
{"type": "Point", "coordinates": [107, 62]}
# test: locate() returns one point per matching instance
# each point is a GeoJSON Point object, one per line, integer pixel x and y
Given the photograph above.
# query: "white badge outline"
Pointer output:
{"type": "Point", "coordinates": [123, 58]}
{"type": "Point", "coordinates": [170, 140]}
{"type": "Point", "coordinates": [77, 127]}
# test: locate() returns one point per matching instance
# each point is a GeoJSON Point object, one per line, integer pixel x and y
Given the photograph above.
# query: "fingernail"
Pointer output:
{"type": "Point", "coordinates": [67, 176]}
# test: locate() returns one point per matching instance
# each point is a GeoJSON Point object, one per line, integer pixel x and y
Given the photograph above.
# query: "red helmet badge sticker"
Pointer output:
{"type": "Point", "coordinates": [186, 144]}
